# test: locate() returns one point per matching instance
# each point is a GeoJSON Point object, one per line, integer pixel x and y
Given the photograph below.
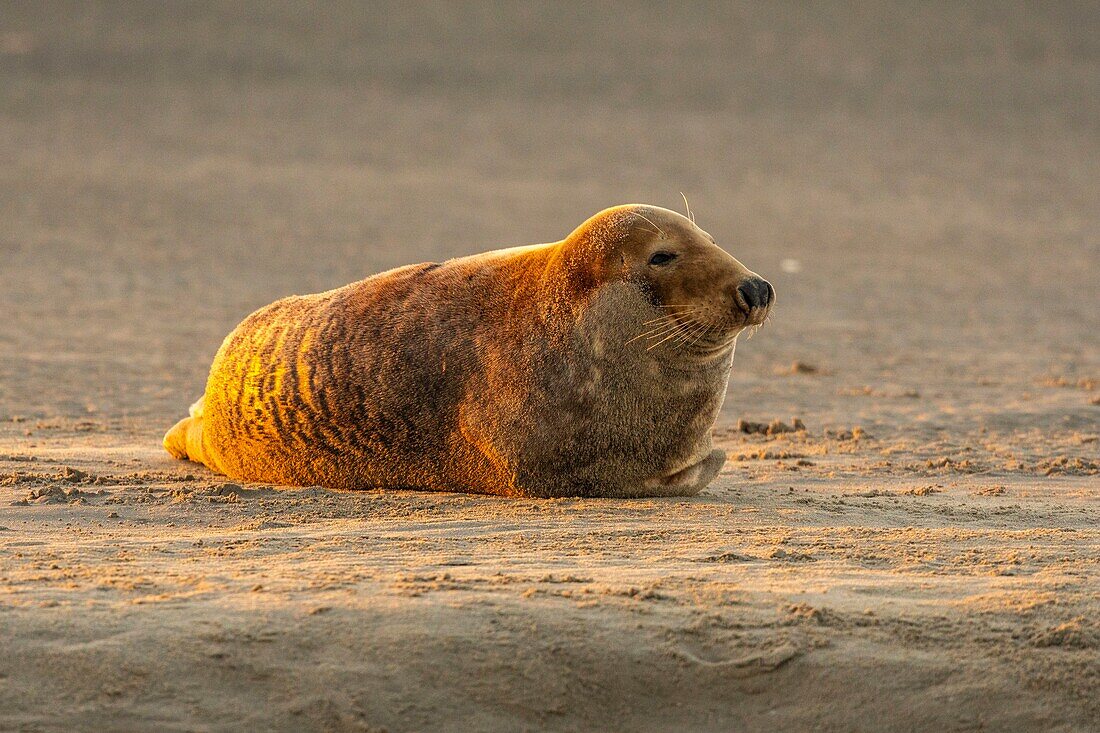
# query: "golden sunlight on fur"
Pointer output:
{"type": "Point", "coordinates": [594, 366]}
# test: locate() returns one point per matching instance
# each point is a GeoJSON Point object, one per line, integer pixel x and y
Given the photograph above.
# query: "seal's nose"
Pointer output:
{"type": "Point", "coordinates": [756, 292]}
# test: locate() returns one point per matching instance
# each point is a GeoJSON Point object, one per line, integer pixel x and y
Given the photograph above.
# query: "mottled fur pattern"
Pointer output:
{"type": "Point", "coordinates": [521, 372]}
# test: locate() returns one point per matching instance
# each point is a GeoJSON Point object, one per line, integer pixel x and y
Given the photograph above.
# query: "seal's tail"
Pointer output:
{"type": "Point", "coordinates": [184, 440]}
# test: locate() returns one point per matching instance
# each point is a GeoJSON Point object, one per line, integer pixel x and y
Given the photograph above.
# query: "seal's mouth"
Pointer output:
{"type": "Point", "coordinates": [745, 320]}
{"type": "Point", "coordinates": [753, 318]}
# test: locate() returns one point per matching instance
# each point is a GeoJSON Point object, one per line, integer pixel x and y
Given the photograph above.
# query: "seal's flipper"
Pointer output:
{"type": "Point", "coordinates": [688, 481]}
{"type": "Point", "coordinates": [184, 440]}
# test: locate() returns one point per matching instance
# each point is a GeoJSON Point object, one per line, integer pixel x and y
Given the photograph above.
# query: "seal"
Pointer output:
{"type": "Point", "coordinates": [593, 366]}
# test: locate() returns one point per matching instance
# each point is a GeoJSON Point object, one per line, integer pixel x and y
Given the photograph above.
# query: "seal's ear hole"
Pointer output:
{"type": "Point", "coordinates": [661, 258]}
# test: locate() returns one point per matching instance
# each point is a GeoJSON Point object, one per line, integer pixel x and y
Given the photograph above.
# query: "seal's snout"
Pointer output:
{"type": "Point", "coordinates": [755, 292]}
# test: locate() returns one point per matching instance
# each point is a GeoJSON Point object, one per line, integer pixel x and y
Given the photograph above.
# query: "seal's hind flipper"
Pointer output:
{"type": "Point", "coordinates": [184, 440]}
{"type": "Point", "coordinates": [175, 440]}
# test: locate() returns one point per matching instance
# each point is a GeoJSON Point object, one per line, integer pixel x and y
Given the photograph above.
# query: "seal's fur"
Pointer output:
{"type": "Point", "coordinates": [533, 371]}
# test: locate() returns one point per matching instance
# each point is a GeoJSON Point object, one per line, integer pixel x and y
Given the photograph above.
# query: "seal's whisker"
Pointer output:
{"type": "Point", "coordinates": [657, 331]}
{"type": "Point", "coordinates": [675, 331]}
{"type": "Point", "coordinates": [654, 334]}
{"type": "Point", "coordinates": [660, 331]}
{"type": "Point", "coordinates": [685, 329]}
{"type": "Point", "coordinates": [661, 324]}
{"type": "Point", "coordinates": [686, 336]}
{"type": "Point", "coordinates": [701, 335]}
{"type": "Point", "coordinates": [696, 334]}
{"type": "Point", "coordinates": [688, 207]}
{"type": "Point", "coordinates": [673, 315]}
{"type": "Point", "coordinates": [642, 336]}
{"type": "Point", "coordinates": [680, 334]}
{"type": "Point", "coordinates": [650, 222]}
{"type": "Point", "coordinates": [668, 317]}
{"type": "Point", "coordinates": [651, 347]}
{"type": "Point", "coordinates": [672, 332]}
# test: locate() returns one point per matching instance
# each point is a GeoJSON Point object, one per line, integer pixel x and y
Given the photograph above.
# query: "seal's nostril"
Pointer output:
{"type": "Point", "coordinates": [746, 292]}
{"type": "Point", "coordinates": [755, 292]}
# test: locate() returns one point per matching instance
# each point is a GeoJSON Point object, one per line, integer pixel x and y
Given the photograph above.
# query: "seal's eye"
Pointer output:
{"type": "Point", "coordinates": [661, 258]}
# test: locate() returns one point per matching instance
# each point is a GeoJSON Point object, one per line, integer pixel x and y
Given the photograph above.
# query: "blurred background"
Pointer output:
{"type": "Point", "coordinates": [920, 182]}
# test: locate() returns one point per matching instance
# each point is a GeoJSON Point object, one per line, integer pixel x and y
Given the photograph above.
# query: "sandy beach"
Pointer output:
{"type": "Point", "coordinates": [920, 185]}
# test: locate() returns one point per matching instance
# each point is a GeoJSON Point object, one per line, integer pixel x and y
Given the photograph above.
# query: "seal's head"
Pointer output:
{"type": "Point", "coordinates": [700, 295]}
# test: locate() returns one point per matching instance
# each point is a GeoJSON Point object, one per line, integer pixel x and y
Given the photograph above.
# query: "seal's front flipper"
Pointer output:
{"type": "Point", "coordinates": [688, 481]}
